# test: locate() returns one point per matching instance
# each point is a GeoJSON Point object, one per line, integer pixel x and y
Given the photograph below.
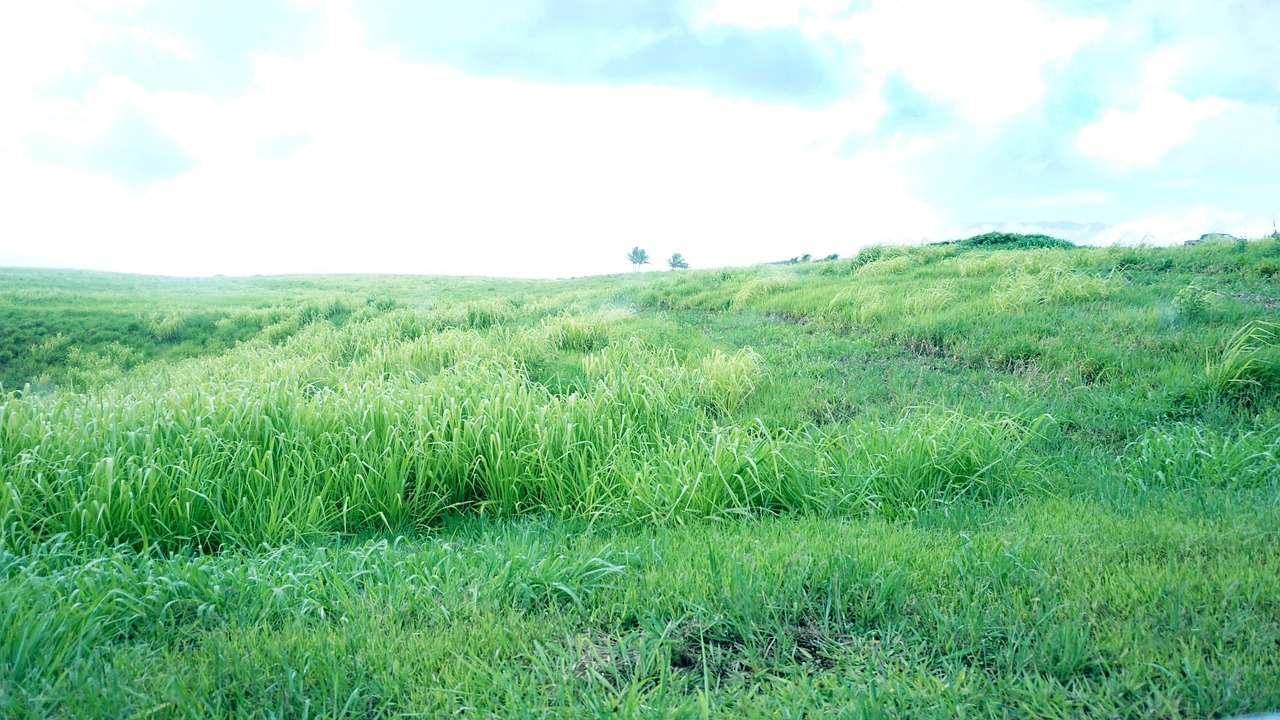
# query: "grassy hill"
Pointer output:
{"type": "Point", "coordinates": [993, 478]}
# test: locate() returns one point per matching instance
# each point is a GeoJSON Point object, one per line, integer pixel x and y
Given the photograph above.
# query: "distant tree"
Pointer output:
{"type": "Point", "coordinates": [638, 257]}
{"type": "Point", "coordinates": [677, 262]}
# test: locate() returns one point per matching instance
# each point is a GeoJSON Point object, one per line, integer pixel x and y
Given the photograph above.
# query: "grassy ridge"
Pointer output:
{"type": "Point", "coordinates": [935, 481]}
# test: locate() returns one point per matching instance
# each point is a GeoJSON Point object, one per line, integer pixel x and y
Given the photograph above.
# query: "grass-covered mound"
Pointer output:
{"type": "Point", "coordinates": [933, 481]}
{"type": "Point", "coordinates": [1010, 241]}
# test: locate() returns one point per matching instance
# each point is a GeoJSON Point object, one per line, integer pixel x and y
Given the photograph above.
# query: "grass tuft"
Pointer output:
{"type": "Point", "coordinates": [1250, 362]}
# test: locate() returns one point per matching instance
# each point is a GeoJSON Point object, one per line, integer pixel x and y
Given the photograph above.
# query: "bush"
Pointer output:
{"type": "Point", "coordinates": [1010, 241]}
{"type": "Point", "coordinates": [1192, 302]}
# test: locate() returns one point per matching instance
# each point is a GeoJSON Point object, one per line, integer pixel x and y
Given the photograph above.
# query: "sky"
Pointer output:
{"type": "Point", "coordinates": [546, 138]}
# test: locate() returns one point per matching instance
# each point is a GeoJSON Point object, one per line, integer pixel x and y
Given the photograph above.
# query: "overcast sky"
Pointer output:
{"type": "Point", "coordinates": [545, 138]}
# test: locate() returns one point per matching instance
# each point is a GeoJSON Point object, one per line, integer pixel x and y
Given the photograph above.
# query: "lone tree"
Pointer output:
{"type": "Point", "coordinates": [637, 257]}
{"type": "Point", "coordinates": [677, 262]}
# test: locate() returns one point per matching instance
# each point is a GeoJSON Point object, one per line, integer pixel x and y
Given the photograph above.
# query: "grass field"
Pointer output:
{"type": "Point", "coordinates": [999, 478]}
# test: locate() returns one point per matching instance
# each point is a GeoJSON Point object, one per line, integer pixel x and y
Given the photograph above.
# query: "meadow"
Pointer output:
{"type": "Point", "coordinates": [1002, 477]}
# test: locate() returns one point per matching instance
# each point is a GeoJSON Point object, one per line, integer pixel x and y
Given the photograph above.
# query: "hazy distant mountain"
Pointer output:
{"type": "Point", "coordinates": [1075, 232]}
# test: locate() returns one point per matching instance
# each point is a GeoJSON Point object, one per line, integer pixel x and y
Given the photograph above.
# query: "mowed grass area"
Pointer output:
{"type": "Point", "coordinates": [984, 479]}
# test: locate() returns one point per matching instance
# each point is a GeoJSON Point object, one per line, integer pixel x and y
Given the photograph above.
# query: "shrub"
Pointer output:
{"type": "Point", "coordinates": [1004, 240]}
{"type": "Point", "coordinates": [49, 351]}
{"type": "Point", "coordinates": [1192, 302]}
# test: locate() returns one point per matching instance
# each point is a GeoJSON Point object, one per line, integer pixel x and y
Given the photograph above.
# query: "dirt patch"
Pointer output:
{"type": "Point", "coordinates": [698, 649]}
{"type": "Point", "coordinates": [1270, 303]}
{"type": "Point", "coordinates": [604, 657]}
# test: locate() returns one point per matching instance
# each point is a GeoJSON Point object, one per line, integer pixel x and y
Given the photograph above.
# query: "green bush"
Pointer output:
{"type": "Point", "coordinates": [1010, 241]}
{"type": "Point", "coordinates": [1193, 303]}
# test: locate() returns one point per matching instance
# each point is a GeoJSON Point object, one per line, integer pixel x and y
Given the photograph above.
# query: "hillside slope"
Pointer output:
{"type": "Point", "coordinates": [938, 481]}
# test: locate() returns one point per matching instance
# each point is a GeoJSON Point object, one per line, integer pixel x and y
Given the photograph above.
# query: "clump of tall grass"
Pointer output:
{"type": "Point", "coordinates": [929, 299]}
{"type": "Point", "coordinates": [1187, 457]}
{"type": "Point", "coordinates": [254, 318]}
{"type": "Point", "coordinates": [1000, 262]}
{"type": "Point", "coordinates": [1019, 290]}
{"type": "Point", "coordinates": [760, 287]}
{"type": "Point", "coordinates": [278, 332]}
{"type": "Point", "coordinates": [422, 357]}
{"type": "Point", "coordinates": [50, 350]}
{"type": "Point", "coordinates": [576, 333]}
{"type": "Point", "coordinates": [856, 305]}
{"type": "Point", "coordinates": [167, 326]}
{"type": "Point", "coordinates": [279, 444]}
{"type": "Point", "coordinates": [869, 254]}
{"type": "Point", "coordinates": [87, 369]}
{"type": "Point", "coordinates": [727, 380]}
{"type": "Point", "coordinates": [333, 310]}
{"type": "Point", "coordinates": [1250, 361]}
{"type": "Point", "coordinates": [938, 456]}
{"type": "Point", "coordinates": [891, 265]}
{"type": "Point", "coordinates": [483, 314]}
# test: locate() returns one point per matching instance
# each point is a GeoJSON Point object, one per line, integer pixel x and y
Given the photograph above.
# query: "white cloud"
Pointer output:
{"type": "Point", "coordinates": [987, 57]}
{"type": "Point", "coordinates": [759, 14]}
{"type": "Point", "coordinates": [1145, 134]}
{"type": "Point", "coordinates": [402, 167]}
{"type": "Point", "coordinates": [1182, 226]}
{"type": "Point", "coordinates": [39, 41]}
{"type": "Point", "coordinates": [1066, 199]}
{"type": "Point", "coordinates": [413, 168]}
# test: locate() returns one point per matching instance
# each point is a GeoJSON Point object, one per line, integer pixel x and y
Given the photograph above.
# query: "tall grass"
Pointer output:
{"type": "Point", "coordinates": [342, 430]}
{"type": "Point", "coordinates": [1249, 363]}
{"type": "Point", "coordinates": [1188, 458]}
{"type": "Point", "coordinates": [1019, 290]}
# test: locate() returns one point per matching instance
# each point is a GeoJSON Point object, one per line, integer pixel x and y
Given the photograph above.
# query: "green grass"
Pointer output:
{"type": "Point", "coordinates": [977, 479]}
